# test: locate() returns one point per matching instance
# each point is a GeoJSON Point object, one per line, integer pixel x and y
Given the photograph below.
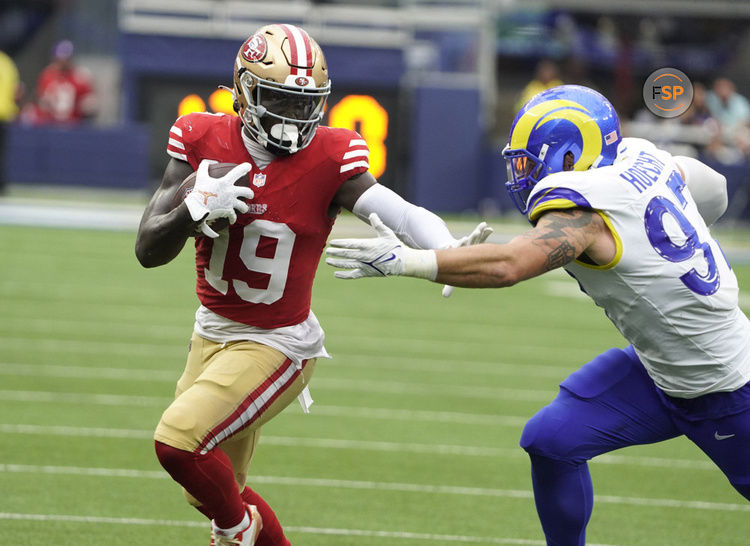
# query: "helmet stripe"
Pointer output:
{"type": "Point", "coordinates": [300, 50]}
{"type": "Point", "coordinates": [308, 52]}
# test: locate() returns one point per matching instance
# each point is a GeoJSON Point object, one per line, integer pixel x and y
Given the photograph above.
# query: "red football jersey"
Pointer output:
{"type": "Point", "coordinates": [260, 271]}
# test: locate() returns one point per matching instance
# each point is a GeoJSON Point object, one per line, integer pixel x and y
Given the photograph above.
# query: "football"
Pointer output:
{"type": "Point", "coordinates": [217, 170]}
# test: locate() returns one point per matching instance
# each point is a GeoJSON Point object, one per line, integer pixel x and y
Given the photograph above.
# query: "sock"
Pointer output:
{"type": "Point", "coordinates": [272, 533]}
{"type": "Point", "coordinates": [209, 478]}
{"type": "Point", "coordinates": [241, 526]}
{"type": "Point", "coordinates": [564, 499]}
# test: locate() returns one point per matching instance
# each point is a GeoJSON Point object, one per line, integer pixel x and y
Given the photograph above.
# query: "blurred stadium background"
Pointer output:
{"type": "Point", "coordinates": [432, 84]}
{"type": "Point", "coordinates": [413, 437]}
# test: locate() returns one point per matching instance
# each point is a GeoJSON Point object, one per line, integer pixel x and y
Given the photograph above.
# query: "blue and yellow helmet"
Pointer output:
{"type": "Point", "coordinates": [566, 118]}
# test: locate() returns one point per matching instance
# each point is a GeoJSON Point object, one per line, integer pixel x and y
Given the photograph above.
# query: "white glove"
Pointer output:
{"type": "Point", "coordinates": [380, 257]}
{"type": "Point", "coordinates": [476, 237]}
{"type": "Point", "coordinates": [213, 198]}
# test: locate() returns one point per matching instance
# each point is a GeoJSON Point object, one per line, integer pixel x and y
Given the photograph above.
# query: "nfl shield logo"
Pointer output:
{"type": "Point", "coordinates": [259, 180]}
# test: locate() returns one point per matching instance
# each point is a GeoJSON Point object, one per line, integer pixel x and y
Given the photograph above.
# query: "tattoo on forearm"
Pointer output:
{"type": "Point", "coordinates": [561, 255]}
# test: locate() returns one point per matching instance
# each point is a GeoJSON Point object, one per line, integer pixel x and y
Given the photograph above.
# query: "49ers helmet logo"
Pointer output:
{"type": "Point", "coordinates": [302, 81]}
{"type": "Point", "coordinates": [255, 48]}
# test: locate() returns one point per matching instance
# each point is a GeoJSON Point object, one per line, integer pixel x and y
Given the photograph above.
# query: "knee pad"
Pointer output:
{"type": "Point", "coordinates": [534, 433]}
{"type": "Point", "coordinates": [177, 427]}
{"type": "Point", "coordinates": [545, 435]}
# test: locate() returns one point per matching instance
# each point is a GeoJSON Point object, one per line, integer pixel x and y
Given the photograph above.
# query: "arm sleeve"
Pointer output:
{"type": "Point", "coordinates": [416, 226]}
{"type": "Point", "coordinates": [708, 187]}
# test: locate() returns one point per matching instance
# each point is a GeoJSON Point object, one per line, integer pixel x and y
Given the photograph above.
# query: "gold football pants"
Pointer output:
{"type": "Point", "coordinates": [226, 393]}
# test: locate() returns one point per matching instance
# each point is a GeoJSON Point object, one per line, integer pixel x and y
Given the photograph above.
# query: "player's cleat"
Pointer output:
{"type": "Point", "coordinates": [245, 537]}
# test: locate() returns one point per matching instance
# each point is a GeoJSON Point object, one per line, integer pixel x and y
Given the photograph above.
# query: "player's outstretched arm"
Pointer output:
{"type": "Point", "coordinates": [416, 226]}
{"type": "Point", "coordinates": [558, 238]}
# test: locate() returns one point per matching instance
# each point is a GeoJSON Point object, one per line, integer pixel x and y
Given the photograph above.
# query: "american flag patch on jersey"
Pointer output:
{"type": "Point", "coordinates": [356, 156]}
{"type": "Point", "coordinates": [175, 147]}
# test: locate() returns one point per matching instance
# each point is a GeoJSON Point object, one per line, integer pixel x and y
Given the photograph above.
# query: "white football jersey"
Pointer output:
{"type": "Point", "coordinates": [669, 289]}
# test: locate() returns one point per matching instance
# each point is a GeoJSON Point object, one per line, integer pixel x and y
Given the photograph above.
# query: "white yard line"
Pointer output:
{"type": "Point", "coordinates": [88, 372]}
{"type": "Point", "coordinates": [439, 347]}
{"type": "Point", "coordinates": [421, 415]}
{"type": "Point", "coordinates": [379, 486]}
{"type": "Point", "coordinates": [502, 367]}
{"type": "Point", "coordinates": [84, 398]}
{"type": "Point", "coordinates": [70, 216]}
{"type": "Point", "coordinates": [392, 447]}
{"type": "Point", "coordinates": [308, 530]}
{"type": "Point", "coordinates": [344, 360]}
{"type": "Point", "coordinates": [73, 346]}
{"type": "Point", "coordinates": [331, 384]}
{"type": "Point", "coordinates": [83, 372]}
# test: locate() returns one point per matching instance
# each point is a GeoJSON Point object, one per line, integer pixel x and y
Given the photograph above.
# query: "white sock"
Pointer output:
{"type": "Point", "coordinates": [241, 526]}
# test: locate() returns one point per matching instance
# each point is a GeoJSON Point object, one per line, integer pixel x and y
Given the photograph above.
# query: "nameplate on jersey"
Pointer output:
{"type": "Point", "coordinates": [645, 171]}
{"type": "Point", "coordinates": [257, 208]}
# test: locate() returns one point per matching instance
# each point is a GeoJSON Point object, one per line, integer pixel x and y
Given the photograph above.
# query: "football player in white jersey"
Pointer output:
{"type": "Point", "coordinates": [629, 222]}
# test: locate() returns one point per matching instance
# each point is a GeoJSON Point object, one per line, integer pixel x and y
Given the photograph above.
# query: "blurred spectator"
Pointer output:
{"type": "Point", "coordinates": [576, 71]}
{"type": "Point", "coordinates": [732, 111]}
{"type": "Point", "coordinates": [8, 107]}
{"type": "Point", "coordinates": [699, 115]}
{"type": "Point", "coordinates": [546, 76]}
{"type": "Point", "coordinates": [626, 99]}
{"type": "Point", "coordinates": [64, 91]}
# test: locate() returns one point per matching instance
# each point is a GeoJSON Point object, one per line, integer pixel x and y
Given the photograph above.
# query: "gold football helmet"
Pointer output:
{"type": "Point", "coordinates": [280, 87]}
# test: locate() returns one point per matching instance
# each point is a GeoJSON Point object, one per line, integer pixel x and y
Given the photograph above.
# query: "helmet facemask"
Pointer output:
{"type": "Point", "coordinates": [524, 171]}
{"type": "Point", "coordinates": [282, 118]}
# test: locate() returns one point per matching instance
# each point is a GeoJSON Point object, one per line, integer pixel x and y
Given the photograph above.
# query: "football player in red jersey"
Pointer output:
{"type": "Point", "coordinates": [255, 339]}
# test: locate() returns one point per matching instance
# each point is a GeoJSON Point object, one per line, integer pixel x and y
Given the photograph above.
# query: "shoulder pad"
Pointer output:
{"type": "Point", "coordinates": [347, 149]}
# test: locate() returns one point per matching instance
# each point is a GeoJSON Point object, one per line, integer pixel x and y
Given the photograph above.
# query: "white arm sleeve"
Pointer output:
{"type": "Point", "coordinates": [416, 226]}
{"type": "Point", "coordinates": [708, 187]}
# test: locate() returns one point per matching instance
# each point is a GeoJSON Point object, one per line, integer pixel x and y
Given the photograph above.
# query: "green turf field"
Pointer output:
{"type": "Point", "coordinates": [413, 438]}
